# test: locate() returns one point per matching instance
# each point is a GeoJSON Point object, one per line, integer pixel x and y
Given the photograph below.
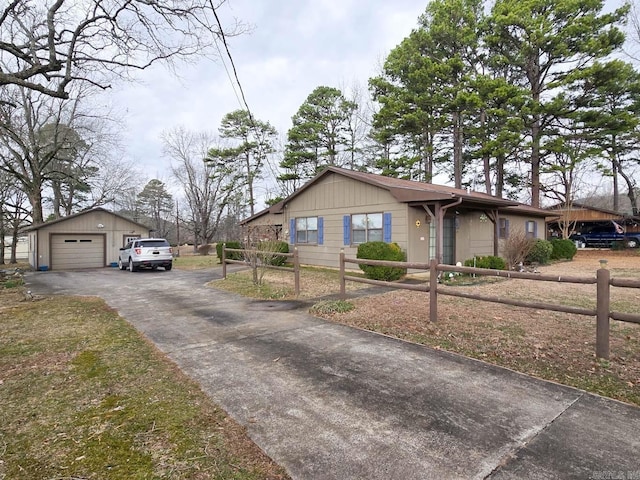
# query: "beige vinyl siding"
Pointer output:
{"type": "Point", "coordinates": [69, 251]}
{"type": "Point", "coordinates": [474, 236]}
{"type": "Point", "coordinates": [111, 228]}
{"type": "Point", "coordinates": [518, 224]}
{"type": "Point", "coordinates": [332, 198]}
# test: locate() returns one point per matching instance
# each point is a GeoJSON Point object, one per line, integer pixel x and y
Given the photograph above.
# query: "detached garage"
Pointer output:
{"type": "Point", "coordinates": [89, 239]}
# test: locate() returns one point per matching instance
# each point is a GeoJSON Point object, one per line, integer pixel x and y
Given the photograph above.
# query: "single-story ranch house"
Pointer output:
{"type": "Point", "coordinates": [339, 209]}
{"type": "Point", "coordinates": [88, 239]}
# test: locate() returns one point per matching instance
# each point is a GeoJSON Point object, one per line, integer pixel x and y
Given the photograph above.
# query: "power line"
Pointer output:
{"type": "Point", "coordinates": [238, 83]}
{"type": "Point", "coordinates": [233, 65]}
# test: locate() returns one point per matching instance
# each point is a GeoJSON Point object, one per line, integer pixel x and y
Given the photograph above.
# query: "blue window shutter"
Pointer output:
{"type": "Point", "coordinates": [346, 229]}
{"type": "Point", "coordinates": [320, 230]}
{"type": "Point", "coordinates": [386, 227]}
{"type": "Point", "coordinates": [292, 231]}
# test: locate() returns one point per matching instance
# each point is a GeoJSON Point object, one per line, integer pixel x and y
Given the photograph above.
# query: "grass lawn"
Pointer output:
{"type": "Point", "coordinates": [84, 396]}
{"type": "Point", "coordinates": [194, 262]}
{"type": "Point", "coordinates": [549, 345]}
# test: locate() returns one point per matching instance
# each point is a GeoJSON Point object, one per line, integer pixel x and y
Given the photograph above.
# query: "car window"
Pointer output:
{"type": "Point", "coordinates": [127, 246]}
{"type": "Point", "coordinates": [154, 243]}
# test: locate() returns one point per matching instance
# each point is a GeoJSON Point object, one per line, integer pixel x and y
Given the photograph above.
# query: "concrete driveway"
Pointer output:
{"type": "Point", "coordinates": [331, 402]}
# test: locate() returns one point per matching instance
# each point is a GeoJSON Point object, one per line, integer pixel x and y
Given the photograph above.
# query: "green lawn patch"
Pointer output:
{"type": "Point", "coordinates": [84, 395]}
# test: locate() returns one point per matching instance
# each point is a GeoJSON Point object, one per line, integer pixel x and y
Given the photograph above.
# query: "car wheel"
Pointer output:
{"type": "Point", "coordinates": [168, 267]}
{"type": "Point", "coordinates": [632, 243]}
{"type": "Point", "coordinates": [132, 267]}
{"type": "Point", "coordinates": [581, 242]}
{"type": "Point", "coordinates": [121, 265]}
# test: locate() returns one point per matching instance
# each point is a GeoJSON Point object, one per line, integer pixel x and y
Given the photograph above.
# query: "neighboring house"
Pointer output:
{"type": "Point", "coordinates": [22, 248]}
{"type": "Point", "coordinates": [88, 239]}
{"type": "Point", "coordinates": [339, 209]}
{"type": "Point", "coordinates": [580, 217]}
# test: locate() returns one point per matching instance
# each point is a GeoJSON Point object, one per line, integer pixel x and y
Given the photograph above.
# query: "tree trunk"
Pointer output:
{"type": "Point", "coordinates": [35, 198]}
{"type": "Point", "coordinates": [500, 175]}
{"type": "Point", "coordinates": [631, 192]}
{"type": "Point", "coordinates": [457, 149]}
{"type": "Point", "coordinates": [14, 243]}
{"type": "Point", "coordinates": [250, 184]}
{"type": "Point", "coordinates": [615, 169]}
{"type": "Point", "coordinates": [535, 162]}
{"type": "Point", "coordinates": [486, 159]}
{"type": "Point", "coordinates": [535, 82]}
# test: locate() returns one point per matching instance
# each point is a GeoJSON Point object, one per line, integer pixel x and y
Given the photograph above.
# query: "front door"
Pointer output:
{"type": "Point", "coordinates": [449, 241]}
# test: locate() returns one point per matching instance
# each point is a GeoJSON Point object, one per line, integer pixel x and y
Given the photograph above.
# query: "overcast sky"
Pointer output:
{"type": "Point", "coordinates": [294, 47]}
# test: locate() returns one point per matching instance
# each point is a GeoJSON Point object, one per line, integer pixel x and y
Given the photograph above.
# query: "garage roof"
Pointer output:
{"type": "Point", "coordinates": [79, 214]}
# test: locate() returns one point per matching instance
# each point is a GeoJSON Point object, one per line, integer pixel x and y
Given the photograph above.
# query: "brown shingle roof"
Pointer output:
{"type": "Point", "coordinates": [409, 191]}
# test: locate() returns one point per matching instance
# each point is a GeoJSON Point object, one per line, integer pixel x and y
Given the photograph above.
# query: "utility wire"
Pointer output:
{"type": "Point", "coordinates": [243, 102]}
{"type": "Point", "coordinates": [233, 65]}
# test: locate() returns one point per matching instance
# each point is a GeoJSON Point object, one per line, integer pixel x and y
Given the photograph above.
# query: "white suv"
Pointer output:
{"type": "Point", "coordinates": [146, 253]}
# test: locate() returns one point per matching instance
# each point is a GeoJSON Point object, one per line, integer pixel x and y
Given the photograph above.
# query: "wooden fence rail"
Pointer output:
{"type": "Point", "coordinates": [602, 280]}
{"type": "Point", "coordinates": [248, 255]}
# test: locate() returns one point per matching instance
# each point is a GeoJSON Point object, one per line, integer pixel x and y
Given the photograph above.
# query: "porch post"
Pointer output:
{"type": "Point", "coordinates": [496, 233]}
{"type": "Point", "coordinates": [439, 214]}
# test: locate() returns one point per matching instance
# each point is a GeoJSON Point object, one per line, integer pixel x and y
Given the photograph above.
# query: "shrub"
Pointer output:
{"type": "Point", "coordinates": [516, 247]}
{"type": "Point", "coordinates": [540, 252]}
{"type": "Point", "coordinates": [204, 249]}
{"type": "Point", "coordinates": [271, 248]}
{"type": "Point", "coordinates": [563, 249]}
{"type": "Point", "coordinates": [230, 255]}
{"type": "Point", "coordinates": [487, 261]}
{"type": "Point", "coordinates": [618, 245]}
{"type": "Point", "coordinates": [382, 251]}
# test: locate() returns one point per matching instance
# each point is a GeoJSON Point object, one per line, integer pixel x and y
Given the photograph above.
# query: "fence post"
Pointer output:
{"type": "Point", "coordinates": [343, 289]}
{"type": "Point", "coordinates": [296, 271]}
{"type": "Point", "coordinates": [602, 311]}
{"type": "Point", "coordinates": [433, 290]}
{"type": "Point", "coordinates": [224, 261]}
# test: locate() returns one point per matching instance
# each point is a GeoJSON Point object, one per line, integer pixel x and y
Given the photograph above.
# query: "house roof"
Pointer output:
{"type": "Point", "coordinates": [79, 214]}
{"type": "Point", "coordinates": [409, 191]}
{"type": "Point", "coordinates": [275, 209]}
{"type": "Point", "coordinates": [580, 205]}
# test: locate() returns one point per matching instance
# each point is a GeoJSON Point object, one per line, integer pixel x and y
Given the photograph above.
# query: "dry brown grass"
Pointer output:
{"type": "Point", "coordinates": [84, 395]}
{"type": "Point", "coordinates": [550, 345]}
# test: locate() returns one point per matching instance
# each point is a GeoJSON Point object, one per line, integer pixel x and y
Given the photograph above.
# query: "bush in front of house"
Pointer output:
{"type": "Point", "coordinates": [230, 255]}
{"type": "Point", "coordinates": [204, 249]}
{"type": "Point", "coordinates": [487, 261]}
{"type": "Point", "coordinates": [618, 245]}
{"type": "Point", "coordinates": [271, 248]}
{"type": "Point", "coordinates": [540, 252]}
{"type": "Point", "coordinates": [382, 251]}
{"type": "Point", "coordinates": [563, 249]}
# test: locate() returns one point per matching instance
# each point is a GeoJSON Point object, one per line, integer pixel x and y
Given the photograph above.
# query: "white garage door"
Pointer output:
{"type": "Point", "coordinates": [77, 251]}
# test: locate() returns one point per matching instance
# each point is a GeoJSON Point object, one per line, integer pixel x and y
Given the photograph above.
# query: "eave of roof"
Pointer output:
{"type": "Point", "coordinates": [407, 191]}
{"type": "Point", "coordinates": [275, 209]}
{"type": "Point", "coordinates": [79, 214]}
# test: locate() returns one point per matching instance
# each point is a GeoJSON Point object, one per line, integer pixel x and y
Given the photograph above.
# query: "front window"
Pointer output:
{"type": "Point", "coordinates": [307, 230]}
{"type": "Point", "coordinates": [503, 228]}
{"type": "Point", "coordinates": [531, 229]}
{"type": "Point", "coordinates": [366, 227]}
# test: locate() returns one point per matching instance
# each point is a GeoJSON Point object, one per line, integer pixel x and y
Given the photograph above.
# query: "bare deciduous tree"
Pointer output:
{"type": "Point", "coordinates": [47, 45]}
{"type": "Point", "coordinates": [58, 147]}
{"type": "Point", "coordinates": [209, 188]}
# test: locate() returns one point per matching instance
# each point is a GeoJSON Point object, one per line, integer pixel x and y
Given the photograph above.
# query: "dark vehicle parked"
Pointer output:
{"type": "Point", "coordinates": [604, 236]}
